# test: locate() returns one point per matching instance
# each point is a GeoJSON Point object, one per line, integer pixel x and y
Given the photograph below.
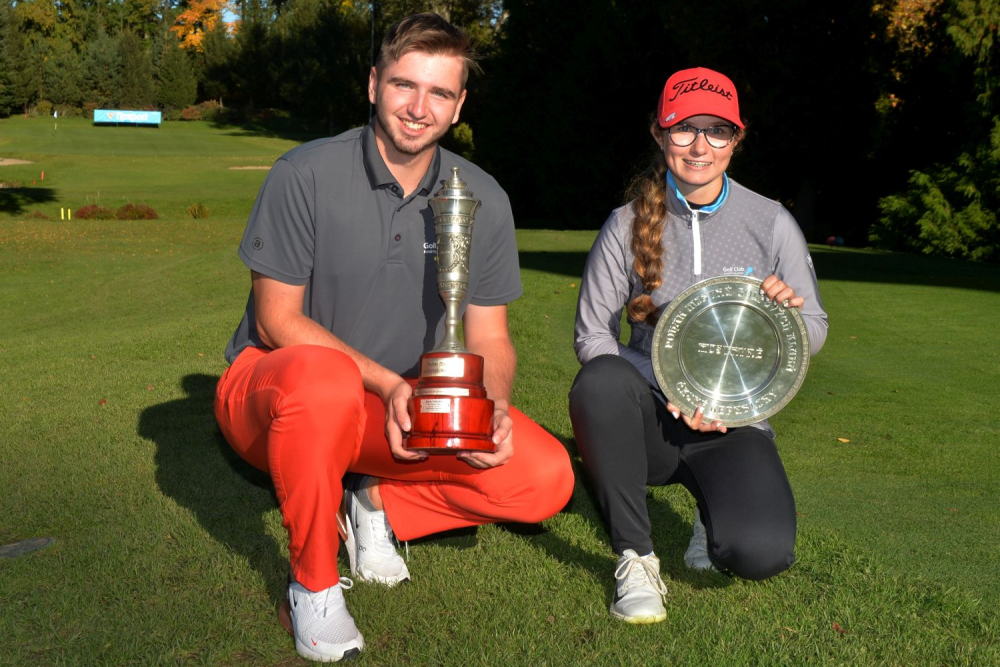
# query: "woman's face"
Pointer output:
{"type": "Point", "coordinates": [697, 168]}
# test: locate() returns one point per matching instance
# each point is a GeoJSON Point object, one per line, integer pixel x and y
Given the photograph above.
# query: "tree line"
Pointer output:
{"type": "Point", "coordinates": [873, 121]}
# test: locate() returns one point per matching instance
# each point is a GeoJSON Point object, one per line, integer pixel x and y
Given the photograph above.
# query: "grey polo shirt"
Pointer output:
{"type": "Point", "coordinates": [331, 217]}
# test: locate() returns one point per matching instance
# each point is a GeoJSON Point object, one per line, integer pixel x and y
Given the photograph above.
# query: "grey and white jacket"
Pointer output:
{"type": "Point", "coordinates": [747, 235]}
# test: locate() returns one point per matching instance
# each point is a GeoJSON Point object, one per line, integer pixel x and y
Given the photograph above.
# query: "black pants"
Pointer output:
{"type": "Point", "coordinates": [629, 441]}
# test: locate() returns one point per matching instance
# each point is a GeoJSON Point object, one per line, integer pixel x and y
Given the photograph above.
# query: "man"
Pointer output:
{"type": "Point", "coordinates": [344, 300]}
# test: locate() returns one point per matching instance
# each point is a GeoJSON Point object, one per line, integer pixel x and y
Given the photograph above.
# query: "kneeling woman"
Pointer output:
{"type": "Point", "coordinates": [688, 222]}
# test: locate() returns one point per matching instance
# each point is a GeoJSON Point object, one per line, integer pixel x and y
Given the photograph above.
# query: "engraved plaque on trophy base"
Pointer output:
{"type": "Point", "coordinates": [449, 410]}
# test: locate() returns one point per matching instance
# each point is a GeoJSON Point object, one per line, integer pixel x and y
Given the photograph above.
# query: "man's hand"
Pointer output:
{"type": "Point", "coordinates": [697, 422]}
{"type": "Point", "coordinates": [503, 438]}
{"type": "Point", "coordinates": [397, 422]}
{"type": "Point", "coordinates": [776, 290]}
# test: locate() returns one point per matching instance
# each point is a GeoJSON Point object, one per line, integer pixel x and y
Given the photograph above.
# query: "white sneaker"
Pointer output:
{"type": "Point", "coordinates": [696, 556]}
{"type": "Point", "coordinates": [639, 590]}
{"type": "Point", "coordinates": [323, 629]}
{"type": "Point", "coordinates": [369, 542]}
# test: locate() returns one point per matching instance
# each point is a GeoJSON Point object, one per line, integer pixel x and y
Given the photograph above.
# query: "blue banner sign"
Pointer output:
{"type": "Point", "coordinates": [124, 117]}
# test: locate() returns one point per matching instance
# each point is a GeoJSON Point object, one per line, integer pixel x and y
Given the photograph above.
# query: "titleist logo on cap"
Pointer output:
{"type": "Point", "coordinates": [691, 85]}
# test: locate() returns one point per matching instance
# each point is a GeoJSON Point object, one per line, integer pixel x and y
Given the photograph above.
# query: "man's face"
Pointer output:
{"type": "Point", "coordinates": [417, 98]}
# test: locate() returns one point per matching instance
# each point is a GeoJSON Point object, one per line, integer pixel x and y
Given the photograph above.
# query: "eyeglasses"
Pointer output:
{"type": "Point", "coordinates": [718, 136]}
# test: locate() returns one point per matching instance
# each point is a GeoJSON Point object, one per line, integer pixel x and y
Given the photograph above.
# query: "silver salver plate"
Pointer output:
{"type": "Point", "coordinates": [723, 346]}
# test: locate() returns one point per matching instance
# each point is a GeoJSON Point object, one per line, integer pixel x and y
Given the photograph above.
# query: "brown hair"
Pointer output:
{"type": "Point", "coordinates": [427, 33]}
{"type": "Point", "coordinates": [648, 193]}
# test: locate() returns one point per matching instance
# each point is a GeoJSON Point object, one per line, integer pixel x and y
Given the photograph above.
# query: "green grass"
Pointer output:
{"type": "Point", "coordinates": [168, 168]}
{"type": "Point", "coordinates": [169, 550]}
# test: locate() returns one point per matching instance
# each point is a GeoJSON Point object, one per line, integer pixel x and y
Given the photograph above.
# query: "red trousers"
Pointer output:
{"type": "Point", "coordinates": [301, 414]}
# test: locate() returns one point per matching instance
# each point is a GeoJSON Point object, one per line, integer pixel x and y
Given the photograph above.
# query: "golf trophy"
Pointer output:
{"type": "Point", "coordinates": [449, 411]}
{"type": "Point", "coordinates": [725, 347]}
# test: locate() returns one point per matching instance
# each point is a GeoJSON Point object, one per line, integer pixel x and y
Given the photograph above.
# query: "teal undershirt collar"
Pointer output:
{"type": "Point", "coordinates": [710, 208]}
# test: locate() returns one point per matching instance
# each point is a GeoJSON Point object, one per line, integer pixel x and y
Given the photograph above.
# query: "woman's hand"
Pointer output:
{"type": "Point", "coordinates": [697, 422]}
{"type": "Point", "coordinates": [778, 291]}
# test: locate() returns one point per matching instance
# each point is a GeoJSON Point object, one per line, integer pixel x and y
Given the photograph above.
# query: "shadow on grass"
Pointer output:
{"type": "Point", "coordinates": [15, 201]}
{"type": "Point", "coordinates": [896, 268]}
{"type": "Point", "coordinates": [867, 266]}
{"type": "Point", "coordinates": [196, 467]}
{"type": "Point", "coordinates": [290, 131]}
{"type": "Point", "coordinates": [563, 263]}
{"type": "Point", "coordinates": [670, 534]}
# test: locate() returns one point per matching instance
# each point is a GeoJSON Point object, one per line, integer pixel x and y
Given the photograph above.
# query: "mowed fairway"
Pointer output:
{"type": "Point", "coordinates": [169, 550]}
{"type": "Point", "coordinates": [168, 168]}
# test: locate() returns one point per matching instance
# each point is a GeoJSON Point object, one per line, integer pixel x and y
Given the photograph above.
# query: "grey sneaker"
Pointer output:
{"type": "Point", "coordinates": [369, 542]}
{"type": "Point", "coordinates": [696, 557]}
{"type": "Point", "coordinates": [639, 590]}
{"type": "Point", "coordinates": [319, 622]}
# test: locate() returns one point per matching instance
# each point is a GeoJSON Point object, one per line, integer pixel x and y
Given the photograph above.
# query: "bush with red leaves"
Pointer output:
{"type": "Point", "coordinates": [136, 212]}
{"type": "Point", "coordinates": [94, 212]}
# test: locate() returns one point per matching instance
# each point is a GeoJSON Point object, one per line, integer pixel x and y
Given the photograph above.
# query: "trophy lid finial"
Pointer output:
{"type": "Point", "coordinates": [454, 197]}
{"type": "Point", "coordinates": [455, 183]}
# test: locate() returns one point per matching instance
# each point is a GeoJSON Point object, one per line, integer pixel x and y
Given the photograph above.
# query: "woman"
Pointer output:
{"type": "Point", "coordinates": [688, 222]}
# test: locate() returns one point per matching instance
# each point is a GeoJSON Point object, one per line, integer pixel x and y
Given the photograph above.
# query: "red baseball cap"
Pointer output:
{"type": "Point", "coordinates": [696, 92]}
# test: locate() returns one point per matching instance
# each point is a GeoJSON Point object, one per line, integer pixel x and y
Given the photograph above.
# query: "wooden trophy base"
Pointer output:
{"type": "Point", "coordinates": [449, 411]}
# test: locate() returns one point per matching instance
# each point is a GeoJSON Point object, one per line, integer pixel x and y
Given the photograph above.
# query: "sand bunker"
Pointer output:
{"type": "Point", "coordinates": [4, 161]}
{"type": "Point", "coordinates": [265, 167]}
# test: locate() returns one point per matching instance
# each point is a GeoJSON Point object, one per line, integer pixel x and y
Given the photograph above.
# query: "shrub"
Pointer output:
{"type": "Point", "coordinates": [136, 212]}
{"type": "Point", "coordinates": [68, 111]}
{"type": "Point", "coordinates": [270, 115]}
{"type": "Point", "coordinates": [94, 212]}
{"type": "Point", "coordinates": [88, 109]}
{"type": "Point", "coordinates": [191, 113]}
{"type": "Point", "coordinates": [210, 110]}
{"type": "Point", "coordinates": [39, 215]}
{"type": "Point", "coordinates": [43, 108]}
{"type": "Point", "coordinates": [461, 136]}
{"type": "Point", "coordinates": [198, 210]}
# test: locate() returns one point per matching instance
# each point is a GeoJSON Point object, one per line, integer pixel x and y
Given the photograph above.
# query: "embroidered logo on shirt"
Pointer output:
{"type": "Point", "coordinates": [736, 270]}
{"type": "Point", "coordinates": [430, 248]}
{"type": "Point", "coordinates": [258, 243]}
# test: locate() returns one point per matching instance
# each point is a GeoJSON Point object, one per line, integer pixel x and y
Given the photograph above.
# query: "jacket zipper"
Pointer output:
{"type": "Point", "coordinates": [696, 240]}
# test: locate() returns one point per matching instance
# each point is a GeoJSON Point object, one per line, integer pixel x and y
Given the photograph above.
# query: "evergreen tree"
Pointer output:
{"type": "Point", "coordinates": [950, 207]}
{"type": "Point", "coordinates": [25, 66]}
{"type": "Point", "coordinates": [176, 84]}
{"type": "Point", "coordinates": [63, 74]}
{"type": "Point", "coordinates": [7, 105]}
{"type": "Point", "coordinates": [319, 65]}
{"type": "Point", "coordinates": [101, 70]}
{"type": "Point", "coordinates": [252, 66]}
{"type": "Point", "coordinates": [135, 73]}
{"type": "Point", "coordinates": [215, 64]}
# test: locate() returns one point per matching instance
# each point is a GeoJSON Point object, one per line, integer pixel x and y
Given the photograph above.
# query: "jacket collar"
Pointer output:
{"type": "Point", "coordinates": [678, 205]}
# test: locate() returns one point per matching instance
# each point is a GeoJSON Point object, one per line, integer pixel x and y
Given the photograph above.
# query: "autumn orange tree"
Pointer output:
{"type": "Point", "coordinates": [199, 18]}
